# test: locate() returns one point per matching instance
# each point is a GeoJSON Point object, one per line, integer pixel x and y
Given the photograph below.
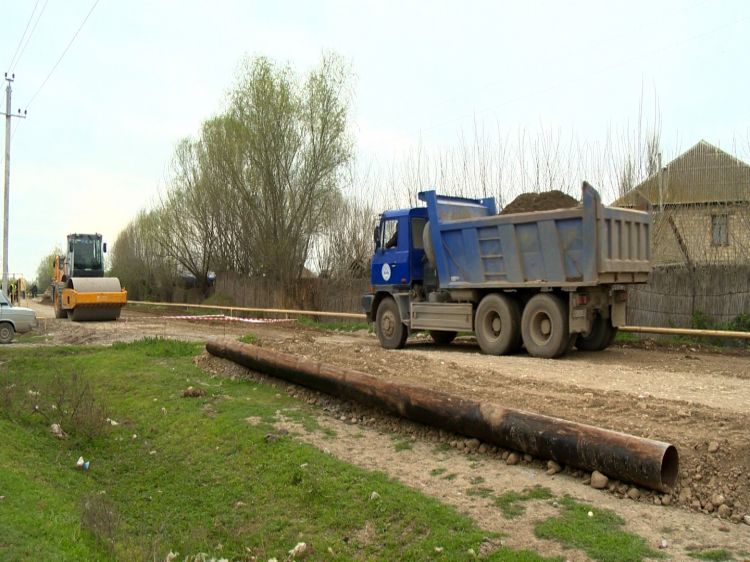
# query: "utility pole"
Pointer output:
{"type": "Point", "coordinates": [8, 114]}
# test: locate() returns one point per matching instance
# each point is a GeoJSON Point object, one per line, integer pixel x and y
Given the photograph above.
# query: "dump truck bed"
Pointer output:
{"type": "Point", "coordinates": [473, 247]}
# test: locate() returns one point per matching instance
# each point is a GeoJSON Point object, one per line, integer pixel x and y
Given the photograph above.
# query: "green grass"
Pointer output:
{"type": "Point", "coordinates": [438, 471]}
{"type": "Point", "coordinates": [600, 536]}
{"type": "Point", "coordinates": [626, 337]}
{"type": "Point", "coordinates": [31, 337]}
{"type": "Point", "coordinates": [341, 326]}
{"type": "Point", "coordinates": [719, 555]}
{"type": "Point", "coordinates": [249, 338]}
{"type": "Point", "coordinates": [197, 478]}
{"type": "Point", "coordinates": [402, 445]}
{"type": "Point", "coordinates": [479, 492]}
{"type": "Point", "coordinates": [441, 448]}
{"type": "Point", "coordinates": [511, 503]}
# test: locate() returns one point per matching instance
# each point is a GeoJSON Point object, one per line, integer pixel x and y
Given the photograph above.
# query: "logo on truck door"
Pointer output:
{"type": "Point", "coordinates": [385, 271]}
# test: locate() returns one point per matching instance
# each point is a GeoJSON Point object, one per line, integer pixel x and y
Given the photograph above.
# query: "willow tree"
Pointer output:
{"type": "Point", "coordinates": [294, 146]}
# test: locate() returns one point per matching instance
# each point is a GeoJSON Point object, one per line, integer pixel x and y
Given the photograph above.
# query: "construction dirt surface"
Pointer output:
{"type": "Point", "coordinates": [543, 201]}
{"type": "Point", "coordinates": [696, 398]}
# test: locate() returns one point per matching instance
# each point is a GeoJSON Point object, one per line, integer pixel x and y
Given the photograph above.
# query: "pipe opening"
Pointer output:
{"type": "Point", "coordinates": [670, 464]}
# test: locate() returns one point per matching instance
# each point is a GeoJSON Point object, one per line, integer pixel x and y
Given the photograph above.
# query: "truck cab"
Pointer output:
{"type": "Point", "coordinates": [399, 251]}
{"type": "Point", "coordinates": [398, 262]}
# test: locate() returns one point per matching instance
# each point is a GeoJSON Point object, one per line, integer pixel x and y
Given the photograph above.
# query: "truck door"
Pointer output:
{"type": "Point", "coordinates": [390, 264]}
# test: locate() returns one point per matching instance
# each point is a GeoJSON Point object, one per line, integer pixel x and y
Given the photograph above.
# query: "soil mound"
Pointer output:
{"type": "Point", "coordinates": [544, 201]}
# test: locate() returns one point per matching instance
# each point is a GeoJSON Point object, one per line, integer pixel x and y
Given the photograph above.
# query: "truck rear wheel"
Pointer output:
{"type": "Point", "coordinates": [388, 326]}
{"type": "Point", "coordinates": [601, 336]}
{"type": "Point", "coordinates": [544, 326]}
{"type": "Point", "coordinates": [497, 325]}
{"type": "Point", "coordinates": [442, 337]}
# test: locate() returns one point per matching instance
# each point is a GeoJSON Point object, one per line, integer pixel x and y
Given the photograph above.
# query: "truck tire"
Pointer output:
{"type": "Point", "coordinates": [544, 326]}
{"type": "Point", "coordinates": [497, 325]}
{"type": "Point", "coordinates": [601, 336]}
{"type": "Point", "coordinates": [6, 332]}
{"type": "Point", "coordinates": [60, 312]}
{"type": "Point", "coordinates": [442, 337]}
{"type": "Point", "coordinates": [388, 326]}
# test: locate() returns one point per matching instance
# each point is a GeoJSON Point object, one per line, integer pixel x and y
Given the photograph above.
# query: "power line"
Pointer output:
{"type": "Point", "coordinates": [28, 39]}
{"type": "Point", "coordinates": [23, 35]}
{"type": "Point", "coordinates": [63, 54]}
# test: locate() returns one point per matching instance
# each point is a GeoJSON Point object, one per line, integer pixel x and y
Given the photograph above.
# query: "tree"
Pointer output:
{"type": "Point", "coordinates": [186, 224]}
{"type": "Point", "coordinates": [253, 192]}
{"type": "Point", "coordinates": [344, 248]}
{"type": "Point", "coordinates": [138, 262]}
{"type": "Point", "coordinates": [45, 271]}
{"type": "Point", "coordinates": [295, 147]}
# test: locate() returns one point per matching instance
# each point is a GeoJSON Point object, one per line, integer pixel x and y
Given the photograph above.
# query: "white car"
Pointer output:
{"type": "Point", "coordinates": [14, 319]}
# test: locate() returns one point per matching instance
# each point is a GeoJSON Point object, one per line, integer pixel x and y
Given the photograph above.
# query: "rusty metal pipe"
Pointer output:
{"type": "Point", "coordinates": [649, 463]}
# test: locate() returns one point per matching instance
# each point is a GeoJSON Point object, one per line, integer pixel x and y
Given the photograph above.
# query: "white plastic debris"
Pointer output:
{"type": "Point", "coordinates": [79, 462]}
{"type": "Point", "coordinates": [439, 549]}
{"type": "Point", "coordinates": [171, 556]}
{"type": "Point", "coordinates": [57, 430]}
{"type": "Point", "coordinates": [374, 496]}
{"type": "Point", "coordinates": [301, 548]}
{"type": "Point", "coordinates": [591, 514]}
{"type": "Point", "coordinates": [110, 421]}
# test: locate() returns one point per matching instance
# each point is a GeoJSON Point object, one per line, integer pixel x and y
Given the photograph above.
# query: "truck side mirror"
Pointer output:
{"type": "Point", "coordinates": [104, 248]}
{"type": "Point", "coordinates": [376, 236]}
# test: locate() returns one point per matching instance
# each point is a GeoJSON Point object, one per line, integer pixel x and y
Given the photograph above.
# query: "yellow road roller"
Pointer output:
{"type": "Point", "coordinates": [80, 291]}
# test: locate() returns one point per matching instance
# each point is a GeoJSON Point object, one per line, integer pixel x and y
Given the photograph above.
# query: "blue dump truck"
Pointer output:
{"type": "Point", "coordinates": [544, 280]}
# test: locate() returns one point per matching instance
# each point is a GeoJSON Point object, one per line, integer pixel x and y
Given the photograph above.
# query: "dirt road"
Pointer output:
{"type": "Point", "coordinates": [698, 400]}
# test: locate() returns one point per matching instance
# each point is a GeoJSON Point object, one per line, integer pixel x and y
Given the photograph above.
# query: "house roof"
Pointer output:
{"type": "Point", "coordinates": [703, 174]}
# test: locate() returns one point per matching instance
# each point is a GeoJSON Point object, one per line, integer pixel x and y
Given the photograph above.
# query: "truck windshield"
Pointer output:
{"type": "Point", "coordinates": [87, 253]}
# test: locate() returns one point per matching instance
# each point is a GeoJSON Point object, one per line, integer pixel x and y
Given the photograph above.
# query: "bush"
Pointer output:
{"type": "Point", "coordinates": [219, 299]}
{"type": "Point", "coordinates": [67, 401]}
{"type": "Point", "coordinates": [740, 323]}
{"type": "Point", "coordinates": [160, 347]}
{"type": "Point", "coordinates": [702, 321]}
{"type": "Point", "coordinates": [81, 414]}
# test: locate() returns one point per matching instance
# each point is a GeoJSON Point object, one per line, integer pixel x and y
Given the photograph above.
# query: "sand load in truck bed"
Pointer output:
{"type": "Point", "coordinates": [94, 298]}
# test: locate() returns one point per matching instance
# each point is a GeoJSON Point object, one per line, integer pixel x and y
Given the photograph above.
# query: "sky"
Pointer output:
{"type": "Point", "coordinates": [96, 144]}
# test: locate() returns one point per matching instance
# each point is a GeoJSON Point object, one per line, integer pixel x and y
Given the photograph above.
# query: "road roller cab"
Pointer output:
{"type": "Point", "coordinates": [80, 290]}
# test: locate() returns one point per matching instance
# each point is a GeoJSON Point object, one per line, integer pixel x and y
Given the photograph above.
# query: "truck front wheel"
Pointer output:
{"type": "Point", "coordinates": [388, 326]}
{"type": "Point", "coordinates": [544, 326]}
{"type": "Point", "coordinates": [497, 325]}
{"type": "Point", "coordinates": [601, 336]}
{"type": "Point", "coordinates": [60, 312]}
